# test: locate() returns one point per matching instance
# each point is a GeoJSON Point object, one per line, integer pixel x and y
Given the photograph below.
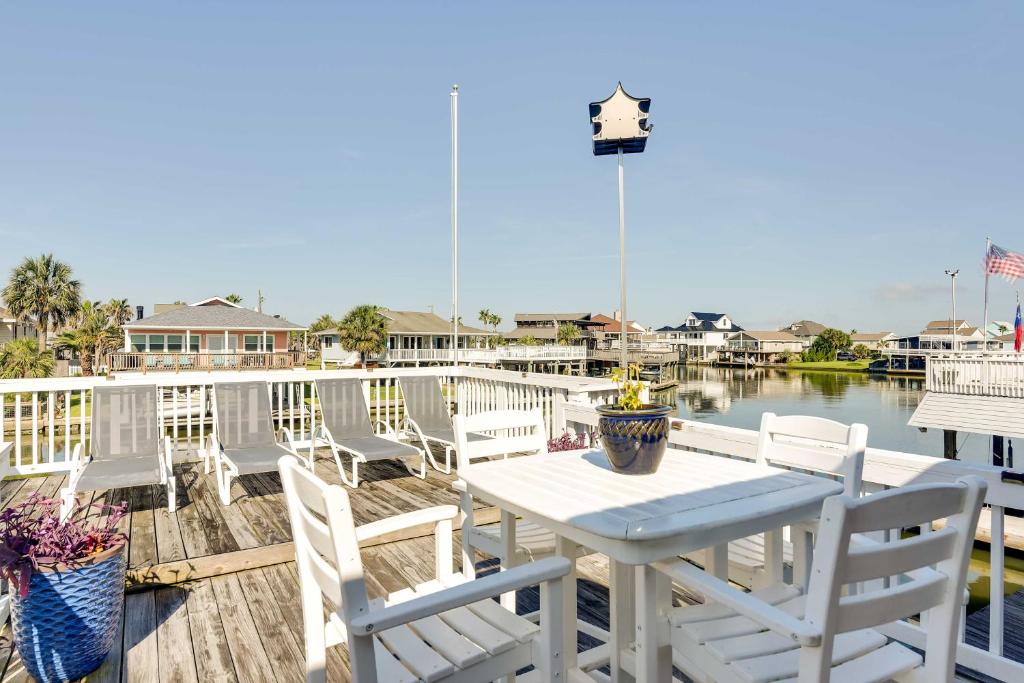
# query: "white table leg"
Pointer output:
{"type": "Point", "coordinates": [566, 548]}
{"type": "Point", "coordinates": [508, 555]}
{"type": "Point", "coordinates": [653, 650]}
{"type": "Point", "coordinates": [773, 560]}
{"type": "Point", "coordinates": [717, 560]}
{"type": "Point", "coordinates": [622, 626]}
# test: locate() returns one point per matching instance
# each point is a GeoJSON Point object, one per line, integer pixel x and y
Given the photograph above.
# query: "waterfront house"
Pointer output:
{"type": "Point", "coordinates": [876, 341]}
{"type": "Point", "coordinates": [700, 336]}
{"type": "Point", "coordinates": [413, 337]}
{"type": "Point", "coordinates": [212, 332]}
{"type": "Point", "coordinates": [759, 347]}
{"type": "Point", "coordinates": [805, 330]}
{"type": "Point", "coordinates": [611, 326]}
{"type": "Point", "coordinates": [11, 328]}
{"type": "Point", "coordinates": [938, 335]}
{"type": "Point", "coordinates": [544, 326]}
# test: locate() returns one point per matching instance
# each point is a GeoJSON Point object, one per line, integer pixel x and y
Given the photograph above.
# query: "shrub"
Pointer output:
{"type": "Point", "coordinates": [861, 351]}
{"type": "Point", "coordinates": [32, 535]}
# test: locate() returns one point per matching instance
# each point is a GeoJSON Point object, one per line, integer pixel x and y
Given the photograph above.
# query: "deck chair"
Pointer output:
{"type": "Point", "coordinates": [812, 444]}
{"type": "Point", "coordinates": [126, 447]}
{"type": "Point", "coordinates": [426, 416]}
{"type": "Point", "coordinates": [830, 633]}
{"type": "Point", "coordinates": [346, 427]}
{"type": "Point", "coordinates": [446, 629]}
{"type": "Point", "coordinates": [243, 439]}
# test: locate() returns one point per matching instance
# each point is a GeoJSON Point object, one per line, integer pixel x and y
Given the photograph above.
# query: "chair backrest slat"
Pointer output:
{"type": "Point", "coordinates": [512, 431]}
{"type": "Point", "coordinates": [343, 407]}
{"type": "Point", "coordinates": [816, 444]}
{"type": "Point", "coordinates": [424, 403]}
{"type": "Point", "coordinates": [919, 587]}
{"type": "Point", "coordinates": [124, 422]}
{"type": "Point", "coordinates": [243, 415]}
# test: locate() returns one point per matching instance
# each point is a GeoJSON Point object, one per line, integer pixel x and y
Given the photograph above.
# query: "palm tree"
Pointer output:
{"type": "Point", "coordinates": [234, 298]}
{"type": "Point", "coordinates": [365, 331]}
{"type": "Point", "coordinates": [321, 324]}
{"type": "Point", "coordinates": [118, 312]}
{"type": "Point", "coordinates": [92, 337]}
{"type": "Point", "coordinates": [568, 333]}
{"type": "Point", "coordinates": [23, 358]}
{"type": "Point", "coordinates": [43, 287]}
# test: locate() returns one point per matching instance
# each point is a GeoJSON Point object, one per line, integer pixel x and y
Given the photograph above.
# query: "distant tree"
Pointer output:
{"type": "Point", "coordinates": [234, 298]}
{"type": "Point", "coordinates": [322, 324]}
{"type": "Point", "coordinates": [43, 288]}
{"type": "Point", "coordinates": [365, 331]}
{"type": "Point", "coordinates": [790, 357]}
{"type": "Point", "coordinates": [179, 302]}
{"type": "Point", "coordinates": [827, 343]}
{"type": "Point", "coordinates": [118, 312]}
{"type": "Point", "coordinates": [22, 358]}
{"type": "Point", "coordinates": [568, 333]}
{"type": "Point", "coordinates": [861, 351]}
{"type": "Point", "coordinates": [1003, 329]}
{"type": "Point", "coordinates": [529, 340]}
{"type": "Point", "coordinates": [853, 331]}
{"type": "Point", "coordinates": [92, 337]}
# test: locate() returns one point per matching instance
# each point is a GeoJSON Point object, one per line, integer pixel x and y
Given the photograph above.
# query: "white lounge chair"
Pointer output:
{"type": "Point", "coordinates": [779, 633]}
{"type": "Point", "coordinates": [426, 416]}
{"type": "Point", "coordinates": [447, 629]}
{"type": "Point", "coordinates": [346, 427]}
{"type": "Point", "coordinates": [125, 447]}
{"type": "Point", "coordinates": [243, 440]}
{"type": "Point", "coordinates": [812, 444]}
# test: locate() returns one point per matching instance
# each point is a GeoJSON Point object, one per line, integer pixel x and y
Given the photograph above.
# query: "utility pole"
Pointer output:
{"type": "Point", "coordinates": [952, 323]}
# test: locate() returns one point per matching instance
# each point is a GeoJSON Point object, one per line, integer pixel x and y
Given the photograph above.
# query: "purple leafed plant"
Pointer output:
{"type": "Point", "coordinates": [32, 535]}
{"type": "Point", "coordinates": [567, 442]}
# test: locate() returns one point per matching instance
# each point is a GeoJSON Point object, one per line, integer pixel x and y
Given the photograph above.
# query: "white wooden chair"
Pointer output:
{"type": "Point", "coordinates": [446, 629]}
{"type": "Point", "coordinates": [813, 444]}
{"type": "Point", "coordinates": [828, 633]}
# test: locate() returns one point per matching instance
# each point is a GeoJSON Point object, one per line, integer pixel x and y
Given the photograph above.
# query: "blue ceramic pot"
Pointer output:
{"type": "Point", "coordinates": [66, 625]}
{"type": "Point", "coordinates": [634, 440]}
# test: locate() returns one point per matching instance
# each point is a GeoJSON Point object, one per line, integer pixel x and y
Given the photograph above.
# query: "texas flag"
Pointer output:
{"type": "Point", "coordinates": [1017, 331]}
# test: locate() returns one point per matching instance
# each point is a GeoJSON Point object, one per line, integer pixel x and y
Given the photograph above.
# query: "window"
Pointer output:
{"type": "Point", "coordinates": [156, 342]}
{"type": "Point", "coordinates": [327, 341]}
{"type": "Point", "coordinates": [252, 343]}
{"type": "Point", "coordinates": [270, 344]}
{"type": "Point", "coordinates": [193, 344]}
{"type": "Point", "coordinates": [174, 342]}
{"type": "Point", "coordinates": [138, 343]}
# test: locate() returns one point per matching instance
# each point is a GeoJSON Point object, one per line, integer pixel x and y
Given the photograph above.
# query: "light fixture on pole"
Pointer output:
{"type": "Point", "coordinates": [621, 127]}
{"type": "Point", "coordinates": [952, 323]}
{"type": "Point", "coordinates": [455, 225]}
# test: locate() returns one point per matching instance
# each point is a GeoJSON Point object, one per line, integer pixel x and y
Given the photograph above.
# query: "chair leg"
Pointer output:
{"type": "Point", "coordinates": [447, 460]}
{"type": "Point", "coordinates": [67, 501]}
{"type": "Point", "coordinates": [422, 474]}
{"type": "Point", "coordinates": [172, 492]}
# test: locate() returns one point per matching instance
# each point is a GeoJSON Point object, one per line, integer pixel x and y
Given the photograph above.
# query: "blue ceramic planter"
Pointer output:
{"type": "Point", "coordinates": [634, 440]}
{"type": "Point", "coordinates": [66, 625]}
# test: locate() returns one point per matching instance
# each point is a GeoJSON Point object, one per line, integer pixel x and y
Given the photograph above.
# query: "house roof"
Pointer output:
{"type": "Point", "coordinates": [416, 322]}
{"type": "Point", "coordinates": [551, 316]}
{"type": "Point", "coordinates": [941, 331]}
{"type": "Point", "coordinates": [706, 326]}
{"type": "Point", "coordinates": [212, 318]}
{"type": "Point", "coordinates": [770, 335]}
{"type": "Point", "coordinates": [805, 328]}
{"type": "Point", "coordinates": [869, 336]}
{"type": "Point", "coordinates": [609, 324]}
{"type": "Point", "coordinates": [707, 316]}
{"type": "Point", "coordinates": [6, 316]}
{"type": "Point", "coordinates": [944, 324]}
{"type": "Point", "coordinates": [535, 332]}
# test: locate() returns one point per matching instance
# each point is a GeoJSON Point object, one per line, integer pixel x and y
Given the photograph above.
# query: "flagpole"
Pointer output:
{"type": "Point", "coordinates": [455, 225]}
{"type": "Point", "coordinates": [984, 330]}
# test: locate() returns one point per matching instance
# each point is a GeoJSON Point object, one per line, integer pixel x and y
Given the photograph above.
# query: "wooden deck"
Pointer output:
{"type": "Point", "coordinates": [214, 590]}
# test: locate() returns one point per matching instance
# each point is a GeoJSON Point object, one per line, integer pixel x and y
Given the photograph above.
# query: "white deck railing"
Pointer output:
{"type": "Point", "coordinates": [977, 374]}
{"type": "Point", "coordinates": [883, 469]}
{"type": "Point", "coordinates": [550, 352]}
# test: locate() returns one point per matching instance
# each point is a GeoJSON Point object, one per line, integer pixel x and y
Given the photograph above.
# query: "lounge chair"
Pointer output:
{"type": "Point", "coordinates": [426, 416]}
{"type": "Point", "coordinates": [447, 629]}
{"type": "Point", "coordinates": [346, 427]}
{"type": "Point", "coordinates": [243, 439]}
{"type": "Point", "coordinates": [125, 449]}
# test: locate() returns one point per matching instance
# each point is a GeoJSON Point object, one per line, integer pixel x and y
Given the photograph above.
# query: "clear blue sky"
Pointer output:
{"type": "Point", "coordinates": [807, 161]}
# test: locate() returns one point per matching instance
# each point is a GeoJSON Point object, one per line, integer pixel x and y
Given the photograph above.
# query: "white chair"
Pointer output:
{"type": "Point", "coordinates": [447, 629]}
{"type": "Point", "coordinates": [828, 633]}
{"type": "Point", "coordinates": [243, 439]}
{"type": "Point", "coordinates": [427, 418]}
{"type": "Point", "coordinates": [813, 444]}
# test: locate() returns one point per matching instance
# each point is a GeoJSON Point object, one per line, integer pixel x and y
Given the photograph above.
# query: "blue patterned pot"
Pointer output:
{"type": "Point", "coordinates": [634, 440]}
{"type": "Point", "coordinates": [66, 625]}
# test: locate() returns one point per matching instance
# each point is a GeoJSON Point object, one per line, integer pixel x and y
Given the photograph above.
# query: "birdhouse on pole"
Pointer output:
{"type": "Point", "coordinates": [620, 122]}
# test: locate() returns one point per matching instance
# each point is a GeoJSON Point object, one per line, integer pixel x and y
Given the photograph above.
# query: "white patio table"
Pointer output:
{"type": "Point", "coordinates": [693, 501]}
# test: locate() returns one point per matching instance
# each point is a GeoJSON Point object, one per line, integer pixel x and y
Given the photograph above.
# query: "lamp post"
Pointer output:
{"type": "Point", "coordinates": [620, 127]}
{"type": "Point", "coordinates": [952, 323]}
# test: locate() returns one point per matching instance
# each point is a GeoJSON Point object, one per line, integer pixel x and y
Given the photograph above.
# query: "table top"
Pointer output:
{"type": "Point", "coordinates": [693, 501]}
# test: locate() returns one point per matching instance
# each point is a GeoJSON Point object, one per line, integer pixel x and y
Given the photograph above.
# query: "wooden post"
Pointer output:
{"type": "Point", "coordinates": [949, 444]}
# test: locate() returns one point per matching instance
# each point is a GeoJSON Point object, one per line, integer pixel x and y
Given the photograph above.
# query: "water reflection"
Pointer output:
{"type": "Point", "coordinates": [737, 397]}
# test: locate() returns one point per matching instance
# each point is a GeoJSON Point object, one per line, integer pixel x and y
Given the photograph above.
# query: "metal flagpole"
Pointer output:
{"type": "Point", "coordinates": [455, 225]}
{"type": "Point", "coordinates": [984, 331]}
{"type": "Point", "coordinates": [623, 340]}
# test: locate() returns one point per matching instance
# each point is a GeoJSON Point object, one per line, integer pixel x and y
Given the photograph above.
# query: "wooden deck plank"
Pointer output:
{"type": "Point", "coordinates": [177, 662]}
{"type": "Point", "coordinates": [110, 670]}
{"type": "Point", "coordinates": [142, 549]}
{"type": "Point", "coordinates": [190, 524]}
{"type": "Point", "coordinates": [247, 652]}
{"type": "Point", "coordinates": [169, 544]}
{"type": "Point", "coordinates": [141, 659]}
{"type": "Point", "coordinates": [212, 522]}
{"type": "Point", "coordinates": [283, 646]}
{"type": "Point", "coordinates": [260, 510]}
{"type": "Point", "coordinates": [209, 644]}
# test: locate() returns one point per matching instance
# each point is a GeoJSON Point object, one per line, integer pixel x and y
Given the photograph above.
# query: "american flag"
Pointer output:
{"type": "Point", "coordinates": [1009, 264]}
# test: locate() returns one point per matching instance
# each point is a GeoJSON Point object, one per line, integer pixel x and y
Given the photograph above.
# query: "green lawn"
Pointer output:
{"type": "Point", "coordinates": [848, 365]}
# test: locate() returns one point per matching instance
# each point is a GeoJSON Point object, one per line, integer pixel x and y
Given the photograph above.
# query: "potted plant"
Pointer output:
{"type": "Point", "coordinates": [634, 433]}
{"type": "Point", "coordinates": [66, 585]}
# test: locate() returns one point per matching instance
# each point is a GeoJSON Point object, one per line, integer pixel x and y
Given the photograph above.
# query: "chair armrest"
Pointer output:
{"type": "Point", "coordinates": [463, 594]}
{"type": "Point", "coordinates": [388, 429]}
{"type": "Point", "coordinates": [289, 441]}
{"type": "Point", "coordinates": [460, 486]}
{"type": "Point", "coordinates": [76, 458]}
{"type": "Point", "coordinates": [432, 515]}
{"type": "Point", "coordinates": [745, 604]}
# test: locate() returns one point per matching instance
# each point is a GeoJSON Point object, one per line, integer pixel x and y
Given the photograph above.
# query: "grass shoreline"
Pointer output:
{"type": "Point", "coordinates": [832, 365]}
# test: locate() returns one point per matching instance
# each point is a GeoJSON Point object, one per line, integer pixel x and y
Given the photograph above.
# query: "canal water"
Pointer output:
{"type": "Point", "coordinates": [737, 397]}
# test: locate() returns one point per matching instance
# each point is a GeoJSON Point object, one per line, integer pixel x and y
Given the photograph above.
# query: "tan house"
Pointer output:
{"type": "Point", "coordinates": [805, 330]}
{"type": "Point", "coordinates": [759, 347]}
{"type": "Point", "coordinates": [11, 328]}
{"type": "Point", "coordinates": [544, 326]}
{"type": "Point", "coordinates": [876, 341]}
